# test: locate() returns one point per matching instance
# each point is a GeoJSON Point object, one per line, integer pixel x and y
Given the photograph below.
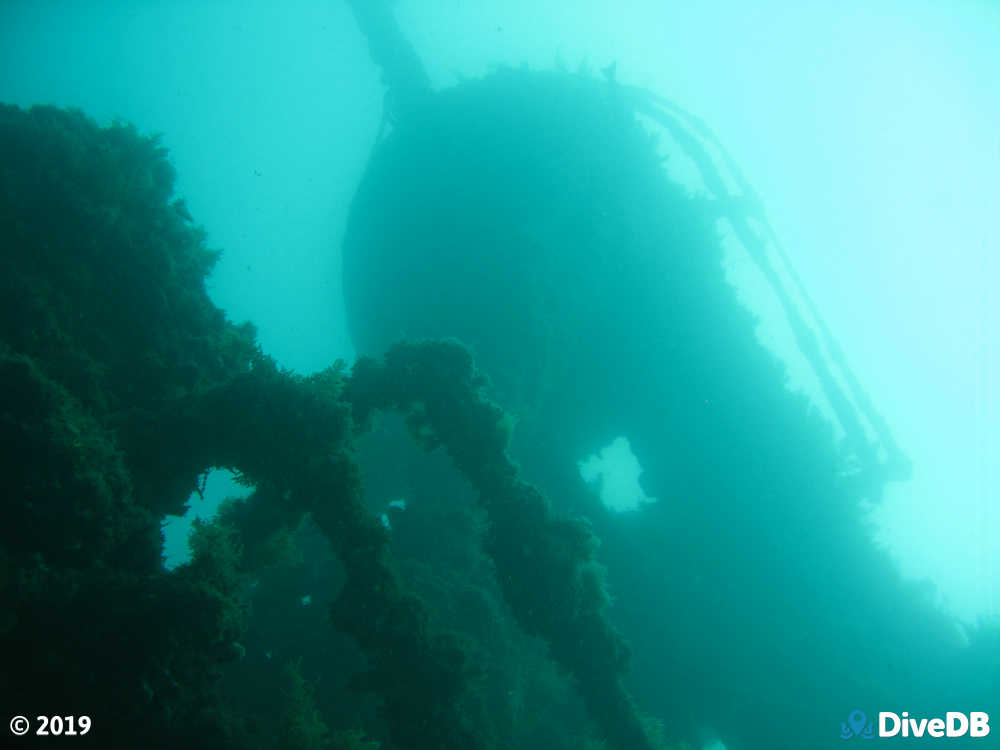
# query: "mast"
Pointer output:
{"type": "Point", "coordinates": [407, 83]}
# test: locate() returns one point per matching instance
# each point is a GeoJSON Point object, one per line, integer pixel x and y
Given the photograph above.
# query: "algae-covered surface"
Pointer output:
{"type": "Point", "coordinates": [419, 562]}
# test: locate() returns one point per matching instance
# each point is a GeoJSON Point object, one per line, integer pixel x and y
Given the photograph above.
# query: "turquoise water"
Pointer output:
{"type": "Point", "coordinates": [869, 133]}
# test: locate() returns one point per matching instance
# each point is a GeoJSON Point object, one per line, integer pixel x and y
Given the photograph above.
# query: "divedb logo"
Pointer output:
{"type": "Point", "coordinates": [954, 724]}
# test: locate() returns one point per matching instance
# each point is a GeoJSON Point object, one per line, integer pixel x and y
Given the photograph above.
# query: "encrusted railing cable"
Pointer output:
{"type": "Point", "coordinates": [293, 434]}
{"type": "Point", "coordinates": [691, 134]}
{"type": "Point", "coordinates": [546, 565]}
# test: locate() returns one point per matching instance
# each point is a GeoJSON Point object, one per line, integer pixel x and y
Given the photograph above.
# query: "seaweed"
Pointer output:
{"type": "Point", "coordinates": [545, 564]}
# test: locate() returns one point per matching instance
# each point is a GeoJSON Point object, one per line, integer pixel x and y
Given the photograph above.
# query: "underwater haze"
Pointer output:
{"type": "Point", "coordinates": [868, 129]}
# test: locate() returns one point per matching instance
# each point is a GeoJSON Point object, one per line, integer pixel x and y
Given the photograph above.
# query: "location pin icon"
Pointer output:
{"type": "Point", "coordinates": [857, 721]}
